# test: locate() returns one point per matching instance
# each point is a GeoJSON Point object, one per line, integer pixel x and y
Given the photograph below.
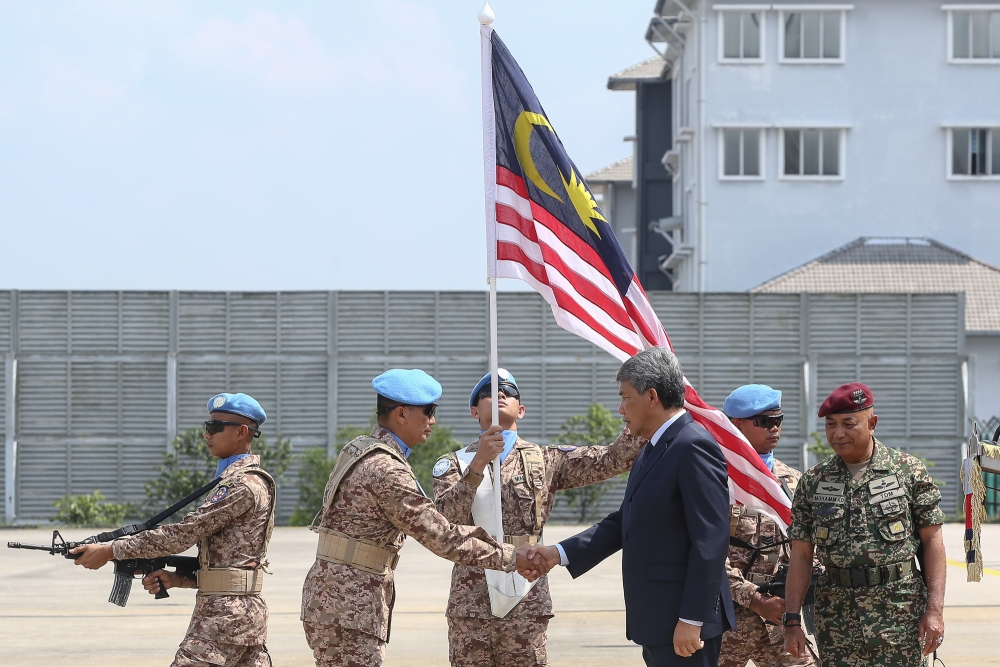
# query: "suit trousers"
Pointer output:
{"type": "Point", "coordinates": [665, 656]}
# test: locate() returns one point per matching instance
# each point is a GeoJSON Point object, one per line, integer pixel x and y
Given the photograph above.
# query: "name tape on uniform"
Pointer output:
{"type": "Point", "coordinates": [829, 492]}
{"type": "Point", "coordinates": [887, 495]}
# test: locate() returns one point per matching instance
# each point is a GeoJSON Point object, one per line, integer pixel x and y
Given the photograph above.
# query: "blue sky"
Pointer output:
{"type": "Point", "coordinates": [291, 145]}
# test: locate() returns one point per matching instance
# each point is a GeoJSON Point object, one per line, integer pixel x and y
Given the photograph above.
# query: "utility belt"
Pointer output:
{"type": "Point", "coordinates": [861, 577]}
{"type": "Point", "coordinates": [361, 554]}
{"type": "Point", "coordinates": [518, 540]}
{"type": "Point", "coordinates": [230, 581]}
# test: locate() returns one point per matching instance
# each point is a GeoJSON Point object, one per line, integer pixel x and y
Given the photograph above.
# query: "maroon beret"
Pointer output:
{"type": "Point", "coordinates": [850, 397]}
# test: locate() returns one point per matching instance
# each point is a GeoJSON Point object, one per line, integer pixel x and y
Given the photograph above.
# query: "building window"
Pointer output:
{"type": "Point", "coordinates": [812, 153]}
{"type": "Point", "coordinates": [974, 36]}
{"type": "Point", "coordinates": [812, 36]}
{"type": "Point", "coordinates": [741, 155]}
{"type": "Point", "coordinates": [975, 152]}
{"type": "Point", "coordinates": [741, 36]}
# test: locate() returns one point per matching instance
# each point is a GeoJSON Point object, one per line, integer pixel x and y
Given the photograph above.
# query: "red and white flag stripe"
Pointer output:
{"type": "Point", "coordinates": [534, 246]}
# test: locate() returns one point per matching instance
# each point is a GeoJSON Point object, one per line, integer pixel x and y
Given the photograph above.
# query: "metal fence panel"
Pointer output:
{"type": "Point", "coordinates": [100, 372]}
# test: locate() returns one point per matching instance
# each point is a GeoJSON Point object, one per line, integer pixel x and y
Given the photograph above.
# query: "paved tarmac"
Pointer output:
{"type": "Point", "coordinates": [52, 613]}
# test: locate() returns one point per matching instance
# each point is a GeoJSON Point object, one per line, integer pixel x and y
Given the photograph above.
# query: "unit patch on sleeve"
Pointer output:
{"type": "Point", "coordinates": [567, 448]}
{"type": "Point", "coordinates": [219, 494]}
{"type": "Point", "coordinates": [441, 467]}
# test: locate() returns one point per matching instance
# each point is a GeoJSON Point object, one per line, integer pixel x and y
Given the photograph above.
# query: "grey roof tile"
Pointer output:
{"type": "Point", "coordinates": [888, 264]}
{"type": "Point", "coordinates": [648, 70]}
{"type": "Point", "coordinates": [616, 171]}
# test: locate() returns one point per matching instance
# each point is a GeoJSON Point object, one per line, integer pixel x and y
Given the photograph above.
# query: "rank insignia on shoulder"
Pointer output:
{"type": "Point", "coordinates": [219, 494]}
{"type": "Point", "coordinates": [441, 467]}
{"type": "Point", "coordinates": [896, 527]}
{"type": "Point", "coordinates": [822, 532]}
{"type": "Point", "coordinates": [566, 448]}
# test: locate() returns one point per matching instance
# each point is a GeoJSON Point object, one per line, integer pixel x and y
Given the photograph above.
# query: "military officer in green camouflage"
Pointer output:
{"type": "Point", "coordinates": [867, 511]}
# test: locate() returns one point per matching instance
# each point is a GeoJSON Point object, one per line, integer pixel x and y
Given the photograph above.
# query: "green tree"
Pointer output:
{"type": "Point", "coordinates": [191, 466]}
{"type": "Point", "coordinates": [598, 427]}
{"type": "Point", "coordinates": [91, 511]}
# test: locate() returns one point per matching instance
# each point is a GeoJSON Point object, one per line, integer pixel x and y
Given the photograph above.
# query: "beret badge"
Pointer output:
{"type": "Point", "coordinates": [219, 401]}
{"type": "Point", "coordinates": [858, 396]}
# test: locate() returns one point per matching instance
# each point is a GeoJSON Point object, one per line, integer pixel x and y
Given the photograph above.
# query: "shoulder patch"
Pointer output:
{"type": "Point", "coordinates": [220, 493]}
{"type": "Point", "coordinates": [441, 467]}
{"type": "Point", "coordinates": [566, 448]}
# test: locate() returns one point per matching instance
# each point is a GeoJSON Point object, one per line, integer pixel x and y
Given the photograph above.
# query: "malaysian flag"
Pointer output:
{"type": "Point", "coordinates": [545, 227]}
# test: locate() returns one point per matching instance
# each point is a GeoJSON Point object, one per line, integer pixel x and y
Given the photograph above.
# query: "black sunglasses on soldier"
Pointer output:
{"type": "Point", "coordinates": [768, 421]}
{"type": "Point", "coordinates": [214, 426]}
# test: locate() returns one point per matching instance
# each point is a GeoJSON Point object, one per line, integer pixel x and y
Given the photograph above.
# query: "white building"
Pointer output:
{"type": "Point", "coordinates": [799, 127]}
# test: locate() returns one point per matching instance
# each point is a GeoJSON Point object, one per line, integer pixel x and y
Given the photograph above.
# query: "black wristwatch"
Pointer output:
{"type": "Point", "coordinates": [786, 617]}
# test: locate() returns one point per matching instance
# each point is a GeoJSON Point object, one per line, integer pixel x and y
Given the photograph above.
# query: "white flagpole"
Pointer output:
{"type": "Point", "coordinates": [486, 18]}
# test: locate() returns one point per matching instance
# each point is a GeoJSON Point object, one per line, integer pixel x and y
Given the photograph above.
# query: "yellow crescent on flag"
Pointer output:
{"type": "Point", "coordinates": [582, 199]}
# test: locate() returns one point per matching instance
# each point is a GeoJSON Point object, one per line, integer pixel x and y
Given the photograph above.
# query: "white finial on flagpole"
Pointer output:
{"type": "Point", "coordinates": [486, 15]}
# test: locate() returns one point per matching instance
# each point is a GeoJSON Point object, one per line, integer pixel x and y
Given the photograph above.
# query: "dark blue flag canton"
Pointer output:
{"type": "Point", "coordinates": [531, 153]}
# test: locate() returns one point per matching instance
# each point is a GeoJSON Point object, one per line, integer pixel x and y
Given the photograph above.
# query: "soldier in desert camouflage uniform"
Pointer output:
{"type": "Point", "coordinates": [232, 528]}
{"type": "Point", "coordinates": [530, 477]}
{"type": "Point", "coordinates": [755, 410]}
{"type": "Point", "coordinates": [867, 510]}
{"type": "Point", "coordinates": [372, 502]}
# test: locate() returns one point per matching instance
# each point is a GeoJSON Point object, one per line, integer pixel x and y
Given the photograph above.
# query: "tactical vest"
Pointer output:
{"type": "Point", "coordinates": [336, 547]}
{"type": "Point", "coordinates": [235, 580]}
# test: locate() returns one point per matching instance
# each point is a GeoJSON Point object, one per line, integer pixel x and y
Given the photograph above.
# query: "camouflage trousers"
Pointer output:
{"type": "Point", "coordinates": [334, 646]}
{"type": "Point", "coordinates": [497, 642]}
{"type": "Point", "coordinates": [196, 652]}
{"type": "Point", "coordinates": [754, 640]}
{"type": "Point", "coordinates": [877, 625]}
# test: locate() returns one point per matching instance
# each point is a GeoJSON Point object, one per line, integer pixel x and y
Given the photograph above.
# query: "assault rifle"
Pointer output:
{"type": "Point", "coordinates": [777, 587]}
{"type": "Point", "coordinates": [125, 570]}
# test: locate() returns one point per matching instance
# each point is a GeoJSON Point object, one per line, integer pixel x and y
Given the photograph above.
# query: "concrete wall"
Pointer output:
{"type": "Point", "coordinates": [893, 93]}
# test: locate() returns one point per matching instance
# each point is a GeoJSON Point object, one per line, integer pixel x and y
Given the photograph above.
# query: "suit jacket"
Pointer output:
{"type": "Point", "coordinates": [673, 530]}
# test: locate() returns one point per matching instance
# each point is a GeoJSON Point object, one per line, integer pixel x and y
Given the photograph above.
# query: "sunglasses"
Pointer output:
{"type": "Point", "coordinates": [768, 421]}
{"type": "Point", "coordinates": [429, 410]}
{"type": "Point", "coordinates": [507, 390]}
{"type": "Point", "coordinates": [214, 426]}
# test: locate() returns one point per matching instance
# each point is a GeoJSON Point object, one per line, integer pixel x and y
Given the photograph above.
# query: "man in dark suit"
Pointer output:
{"type": "Point", "coordinates": [672, 527]}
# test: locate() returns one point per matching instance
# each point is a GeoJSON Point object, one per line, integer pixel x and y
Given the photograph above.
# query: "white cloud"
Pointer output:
{"type": "Point", "coordinates": [283, 54]}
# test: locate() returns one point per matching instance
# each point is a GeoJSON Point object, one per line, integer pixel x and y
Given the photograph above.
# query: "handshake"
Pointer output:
{"type": "Point", "coordinates": [535, 560]}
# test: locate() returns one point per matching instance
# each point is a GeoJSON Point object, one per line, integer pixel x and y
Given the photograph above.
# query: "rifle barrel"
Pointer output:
{"type": "Point", "coordinates": [36, 547]}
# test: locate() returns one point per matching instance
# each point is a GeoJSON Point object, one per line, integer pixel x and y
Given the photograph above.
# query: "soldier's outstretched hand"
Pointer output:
{"type": "Point", "coordinates": [154, 581]}
{"type": "Point", "coordinates": [529, 563]}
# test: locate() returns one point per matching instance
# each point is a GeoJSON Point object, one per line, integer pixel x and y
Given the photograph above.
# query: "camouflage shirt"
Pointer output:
{"type": "Point", "coordinates": [235, 519]}
{"type": "Point", "coordinates": [379, 500]}
{"type": "Point", "coordinates": [759, 530]}
{"type": "Point", "coordinates": [871, 522]}
{"type": "Point", "coordinates": [566, 467]}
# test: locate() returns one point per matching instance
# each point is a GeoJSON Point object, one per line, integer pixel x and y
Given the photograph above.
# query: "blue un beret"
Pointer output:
{"type": "Point", "coordinates": [412, 387]}
{"type": "Point", "coordinates": [238, 404]}
{"type": "Point", "coordinates": [750, 400]}
{"type": "Point", "coordinates": [504, 376]}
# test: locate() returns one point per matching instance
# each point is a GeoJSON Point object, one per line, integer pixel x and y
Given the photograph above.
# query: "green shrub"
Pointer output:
{"type": "Point", "coordinates": [191, 466]}
{"type": "Point", "coordinates": [91, 511]}
{"type": "Point", "coordinates": [598, 427]}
